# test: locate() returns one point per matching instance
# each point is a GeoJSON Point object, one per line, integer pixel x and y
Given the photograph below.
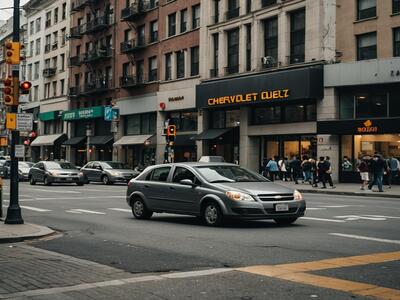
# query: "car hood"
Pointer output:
{"type": "Point", "coordinates": [64, 171]}
{"type": "Point", "coordinates": [24, 170]}
{"type": "Point", "coordinates": [256, 188]}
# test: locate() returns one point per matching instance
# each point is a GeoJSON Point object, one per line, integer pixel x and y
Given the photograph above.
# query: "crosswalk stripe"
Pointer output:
{"type": "Point", "coordinates": [35, 208]}
{"type": "Point", "coordinates": [323, 220]}
{"type": "Point", "coordinates": [88, 211]}
{"type": "Point", "coordinates": [121, 209]}
{"type": "Point", "coordinates": [360, 237]}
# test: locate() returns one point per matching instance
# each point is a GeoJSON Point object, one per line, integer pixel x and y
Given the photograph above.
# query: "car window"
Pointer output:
{"type": "Point", "coordinates": [225, 173]}
{"type": "Point", "coordinates": [95, 165]}
{"type": "Point", "coordinates": [183, 173]}
{"type": "Point", "coordinates": [89, 165]}
{"type": "Point", "coordinates": [160, 174]}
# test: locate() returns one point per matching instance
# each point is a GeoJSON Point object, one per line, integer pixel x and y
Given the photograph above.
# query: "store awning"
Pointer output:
{"type": "Point", "coordinates": [100, 140]}
{"type": "Point", "coordinates": [74, 141]}
{"type": "Point", "coordinates": [133, 140]}
{"type": "Point", "coordinates": [49, 140]}
{"type": "Point", "coordinates": [211, 134]}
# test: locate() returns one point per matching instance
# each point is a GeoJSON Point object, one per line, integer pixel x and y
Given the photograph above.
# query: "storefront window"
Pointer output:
{"type": "Point", "coordinates": [370, 105]}
{"type": "Point", "coordinates": [47, 127]}
{"type": "Point", "coordinates": [283, 114]}
{"type": "Point", "coordinates": [290, 146]}
{"type": "Point", "coordinates": [185, 121]}
{"type": "Point", "coordinates": [218, 119]}
{"type": "Point", "coordinates": [294, 113]}
{"type": "Point", "coordinates": [266, 115]}
{"type": "Point", "coordinates": [346, 106]}
{"type": "Point", "coordinates": [132, 125]}
{"type": "Point", "coordinates": [394, 103]}
{"type": "Point", "coordinates": [232, 118]}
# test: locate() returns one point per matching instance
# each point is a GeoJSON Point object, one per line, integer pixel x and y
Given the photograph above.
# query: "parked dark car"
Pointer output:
{"type": "Point", "coordinates": [213, 191]}
{"type": "Point", "coordinates": [50, 172]}
{"type": "Point", "coordinates": [5, 166]}
{"type": "Point", "coordinates": [23, 170]}
{"type": "Point", "coordinates": [107, 172]}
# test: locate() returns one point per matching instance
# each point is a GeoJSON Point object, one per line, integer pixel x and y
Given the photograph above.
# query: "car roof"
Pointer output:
{"type": "Point", "coordinates": [199, 164]}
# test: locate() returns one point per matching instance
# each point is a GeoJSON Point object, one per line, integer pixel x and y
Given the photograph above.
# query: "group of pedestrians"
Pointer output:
{"type": "Point", "coordinates": [308, 169]}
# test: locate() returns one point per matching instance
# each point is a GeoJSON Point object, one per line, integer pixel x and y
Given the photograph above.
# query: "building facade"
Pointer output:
{"type": "Point", "coordinates": [364, 84]}
{"type": "Point", "coordinates": [262, 78]}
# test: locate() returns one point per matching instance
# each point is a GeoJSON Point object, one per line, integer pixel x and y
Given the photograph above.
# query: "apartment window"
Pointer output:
{"type": "Point", "coordinates": [153, 32]}
{"type": "Point", "coordinates": [36, 70]}
{"type": "Point", "coordinates": [395, 6]}
{"type": "Point", "coordinates": [63, 36]}
{"type": "Point", "coordinates": [248, 6]}
{"type": "Point", "coordinates": [55, 40]}
{"type": "Point", "coordinates": [270, 42]}
{"type": "Point", "coordinates": [233, 9]}
{"type": "Point", "coordinates": [184, 15]}
{"type": "Point", "coordinates": [125, 70]}
{"type": "Point", "coordinates": [54, 88]}
{"type": "Point", "coordinates": [297, 36]}
{"type": "Point", "coordinates": [195, 16]}
{"type": "Point", "coordinates": [153, 68]}
{"type": "Point", "coordinates": [31, 48]}
{"type": "Point", "coordinates": [38, 24]}
{"type": "Point", "coordinates": [54, 59]}
{"type": "Point", "coordinates": [46, 92]}
{"type": "Point", "coordinates": [48, 19]}
{"type": "Point", "coordinates": [64, 11]}
{"type": "Point", "coordinates": [366, 9]}
{"type": "Point", "coordinates": [140, 71]}
{"type": "Point", "coordinates": [396, 41]}
{"type": "Point", "coordinates": [31, 27]}
{"type": "Point", "coordinates": [366, 46]}
{"type": "Point", "coordinates": [233, 51]}
{"type": "Point", "coordinates": [265, 3]}
{"type": "Point", "coordinates": [140, 35]}
{"type": "Point", "coordinates": [248, 47]}
{"type": "Point", "coordinates": [127, 33]}
{"type": "Point", "coordinates": [38, 46]}
{"type": "Point", "coordinates": [214, 70]}
{"type": "Point", "coordinates": [172, 24]}
{"type": "Point", "coordinates": [47, 45]}
{"type": "Point", "coordinates": [47, 63]}
{"type": "Point", "coordinates": [62, 87]}
{"type": "Point", "coordinates": [56, 15]}
{"type": "Point", "coordinates": [216, 11]}
{"type": "Point", "coordinates": [168, 66]}
{"type": "Point", "coordinates": [36, 93]}
{"type": "Point", "coordinates": [30, 72]}
{"type": "Point", "coordinates": [62, 58]}
{"type": "Point", "coordinates": [180, 64]}
{"type": "Point", "coordinates": [194, 61]}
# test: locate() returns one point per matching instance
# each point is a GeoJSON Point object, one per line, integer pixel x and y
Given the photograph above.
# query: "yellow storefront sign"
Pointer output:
{"type": "Point", "coordinates": [249, 97]}
{"type": "Point", "coordinates": [11, 121]}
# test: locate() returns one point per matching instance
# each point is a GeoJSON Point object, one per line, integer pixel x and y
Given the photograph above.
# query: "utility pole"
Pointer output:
{"type": "Point", "coordinates": [14, 215]}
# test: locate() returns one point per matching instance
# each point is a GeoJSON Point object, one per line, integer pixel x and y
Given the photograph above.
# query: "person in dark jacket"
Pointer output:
{"type": "Point", "coordinates": [329, 171]}
{"type": "Point", "coordinates": [364, 172]}
{"type": "Point", "coordinates": [378, 168]}
{"type": "Point", "coordinates": [295, 166]}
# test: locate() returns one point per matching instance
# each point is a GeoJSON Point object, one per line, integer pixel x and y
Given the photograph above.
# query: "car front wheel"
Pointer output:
{"type": "Point", "coordinates": [285, 221]}
{"type": "Point", "coordinates": [46, 181]}
{"type": "Point", "coordinates": [32, 181]}
{"type": "Point", "coordinates": [212, 214]}
{"type": "Point", "coordinates": [139, 209]}
{"type": "Point", "coordinates": [106, 180]}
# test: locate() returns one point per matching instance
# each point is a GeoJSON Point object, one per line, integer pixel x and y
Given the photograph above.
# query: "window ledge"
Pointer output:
{"type": "Point", "coordinates": [365, 20]}
{"type": "Point", "coordinates": [395, 14]}
{"type": "Point", "coordinates": [179, 34]}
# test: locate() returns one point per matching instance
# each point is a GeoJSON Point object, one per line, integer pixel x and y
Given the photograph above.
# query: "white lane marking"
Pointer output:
{"type": "Point", "coordinates": [73, 212]}
{"type": "Point", "coordinates": [56, 191]}
{"type": "Point", "coordinates": [315, 208]}
{"type": "Point", "coordinates": [362, 217]}
{"type": "Point", "coordinates": [72, 198]}
{"type": "Point", "coordinates": [340, 206]}
{"type": "Point", "coordinates": [360, 237]}
{"type": "Point", "coordinates": [35, 208]}
{"type": "Point", "coordinates": [323, 220]}
{"type": "Point", "coordinates": [379, 216]}
{"type": "Point", "coordinates": [121, 209]}
{"type": "Point", "coordinates": [89, 211]}
{"type": "Point", "coordinates": [196, 273]}
{"type": "Point", "coordinates": [101, 191]}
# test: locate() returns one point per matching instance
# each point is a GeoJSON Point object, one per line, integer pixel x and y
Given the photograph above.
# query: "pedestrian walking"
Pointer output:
{"type": "Point", "coordinates": [306, 166]}
{"type": "Point", "coordinates": [324, 171]}
{"type": "Point", "coordinates": [295, 166]}
{"type": "Point", "coordinates": [364, 172]}
{"type": "Point", "coordinates": [282, 169]}
{"type": "Point", "coordinates": [329, 172]}
{"type": "Point", "coordinates": [378, 167]}
{"type": "Point", "coordinates": [273, 169]}
{"type": "Point", "coordinates": [346, 164]}
{"type": "Point", "coordinates": [314, 174]}
{"type": "Point", "coordinates": [393, 169]}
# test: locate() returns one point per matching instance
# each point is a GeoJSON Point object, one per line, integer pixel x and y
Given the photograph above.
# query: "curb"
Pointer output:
{"type": "Point", "coordinates": [377, 195]}
{"type": "Point", "coordinates": [42, 232]}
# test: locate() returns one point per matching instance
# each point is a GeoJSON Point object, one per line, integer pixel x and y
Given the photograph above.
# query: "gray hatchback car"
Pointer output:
{"type": "Point", "coordinates": [213, 191]}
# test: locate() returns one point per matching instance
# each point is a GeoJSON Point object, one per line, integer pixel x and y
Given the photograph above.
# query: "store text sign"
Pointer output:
{"type": "Point", "coordinates": [250, 97]}
{"type": "Point", "coordinates": [367, 128]}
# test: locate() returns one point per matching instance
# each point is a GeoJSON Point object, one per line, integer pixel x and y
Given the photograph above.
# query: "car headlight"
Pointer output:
{"type": "Point", "coordinates": [297, 195]}
{"type": "Point", "coordinates": [238, 196]}
{"type": "Point", "coordinates": [81, 174]}
{"type": "Point", "coordinates": [54, 173]}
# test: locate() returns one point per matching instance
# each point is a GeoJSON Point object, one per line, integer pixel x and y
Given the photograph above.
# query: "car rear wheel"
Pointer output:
{"type": "Point", "coordinates": [285, 221]}
{"type": "Point", "coordinates": [212, 214]}
{"type": "Point", "coordinates": [32, 181]}
{"type": "Point", "coordinates": [139, 209]}
{"type": "Point", "coordinates": [46, 181]}
{"type": "Point", "coordinates": [106, 180]}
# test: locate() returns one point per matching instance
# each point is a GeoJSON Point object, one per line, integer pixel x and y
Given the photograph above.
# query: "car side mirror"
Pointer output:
{"type": "Point", "coordinates": [187, 182]}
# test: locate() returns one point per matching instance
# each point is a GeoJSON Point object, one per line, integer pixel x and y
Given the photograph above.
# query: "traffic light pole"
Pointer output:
{"type": "Point", "coordinates": [14, 215]}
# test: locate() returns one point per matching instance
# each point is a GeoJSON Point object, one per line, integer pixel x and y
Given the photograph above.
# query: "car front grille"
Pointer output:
{"type": "Point", "coordinates": [273, 212]}
{"type": "Point", "coordinates": [276, 197]}
{"type": "Point", "coordinates": [247, 211]}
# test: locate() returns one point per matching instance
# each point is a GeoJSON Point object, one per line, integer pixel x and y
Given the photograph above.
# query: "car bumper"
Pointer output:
{"type": "Point", "coordinates": [266, 210]}
{"type": "Point", "coordinates": [23, 176]}
{"type": "Point", "coordinates": [124, 179]}
{"type": "Point", "coordinates": [66, 179]}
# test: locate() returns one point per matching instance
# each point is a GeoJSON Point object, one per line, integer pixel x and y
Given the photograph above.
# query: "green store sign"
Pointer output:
{"type": "Point", "coordinates": [83, 113]}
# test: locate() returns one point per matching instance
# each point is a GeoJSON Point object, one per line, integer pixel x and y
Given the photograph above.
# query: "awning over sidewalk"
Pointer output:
{"type": "Point", "coordinates": [133, 140]}
{"type": "Point", "coordinates": [211, 134]}
{"type": "Point", "coordinates": [74, 141]}
{"type": "Point", "coordinates": [100, 140]}
{"type": "Point", "coordinates": [48, 140]}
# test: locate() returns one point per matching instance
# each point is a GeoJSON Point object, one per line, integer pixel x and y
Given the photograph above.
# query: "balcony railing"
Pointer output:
{"type": "Point", "coordinates": [80, 4]}
{"type": "Point", "coordinates": [75, 61]}
{"type": "Point", "coordinates": [74, 91]}
{"type": "Point", "coordinates": [97, 86]}
{"type": "Point", "coordinates": [232, 13]}
{"type": "Point", "coordinates": [233, 69]}
{"type": "Point", "coordinates": [132, 45]}
{"type": "Point", "coordinates": [132, 81]}
{"type": "Point", "coordinates": [77, 31]}
{"type": "Point", "coordinates": [49, 72]}
{"type": "Point", "coordinates": [98, 24]}
{"type": "Point", "coordinates": [96, 55]}
{"type": "Point", "coordinates": [137, 9]}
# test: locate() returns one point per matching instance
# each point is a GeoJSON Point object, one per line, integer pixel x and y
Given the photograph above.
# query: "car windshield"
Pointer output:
{"type": "Point", "coordinates": [52, 165]}
{"type": "Point", "coordinates": [215, 174]}
{"type": "Point", "coordinates": [113, 165]}
{"type": "Point", "coordinates": [24, 164]}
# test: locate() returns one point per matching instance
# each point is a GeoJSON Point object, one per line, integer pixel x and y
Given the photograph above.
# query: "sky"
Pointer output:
{"type": "Point", "coordinates": [5, 14]}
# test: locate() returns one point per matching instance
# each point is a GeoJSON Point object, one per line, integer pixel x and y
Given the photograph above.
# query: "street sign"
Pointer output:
{"type": "Point", "coordinates": [20, 151]}
{"type": "Point", "coordinates": [11, 121]}
{"type": "Point", "coordinates": [108, 113]}
{"type": "Point", "coordinates": [24, 122]}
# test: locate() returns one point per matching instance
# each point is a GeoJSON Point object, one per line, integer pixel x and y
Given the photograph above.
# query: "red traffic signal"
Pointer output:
{"type": "Point", "coordinates": [171, 130]}
{"type": "Point", "coordinates": [25, 86]}
{"type": "Point", "coordinates": [10, 96]}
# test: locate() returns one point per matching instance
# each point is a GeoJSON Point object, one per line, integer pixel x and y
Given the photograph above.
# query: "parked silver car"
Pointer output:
{"type": "Point", "coordinates": [213, 191]}
{"type": "Point", "coordinates": [23, 170]}
{"type": "Point", "coordinates": [108, 172]}
{"type": "Point", "coordinates": [50, 172]}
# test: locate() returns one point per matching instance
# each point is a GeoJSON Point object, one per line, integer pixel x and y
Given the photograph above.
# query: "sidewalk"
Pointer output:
{"type": "Point", "coordinates": [17, 233]}
{"type": "Point", "coordinates": [352, 189]}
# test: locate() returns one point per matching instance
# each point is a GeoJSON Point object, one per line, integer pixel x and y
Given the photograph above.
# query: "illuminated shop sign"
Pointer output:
{"type": "Point", "coordinates": [367, 128]}
{"type": "Point", "coordinates": [250, 97]}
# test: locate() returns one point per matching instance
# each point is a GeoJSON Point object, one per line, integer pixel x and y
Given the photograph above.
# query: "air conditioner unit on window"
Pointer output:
{"type": "Point", "coordinates": [268, 61]}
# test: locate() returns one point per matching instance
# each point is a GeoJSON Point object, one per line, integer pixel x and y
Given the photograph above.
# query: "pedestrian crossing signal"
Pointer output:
{"type": "Point", "coordinates": [171, 130]}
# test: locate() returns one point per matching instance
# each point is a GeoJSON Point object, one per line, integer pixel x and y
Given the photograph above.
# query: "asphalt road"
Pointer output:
{"type": "Point", "coordinates": [97, 225]}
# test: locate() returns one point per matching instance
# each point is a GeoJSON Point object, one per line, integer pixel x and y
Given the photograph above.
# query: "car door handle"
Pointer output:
{"type": "Point", "coordinates": [146, 186]}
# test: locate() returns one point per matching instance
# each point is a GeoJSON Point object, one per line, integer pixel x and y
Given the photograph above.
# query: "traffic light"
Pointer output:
{"type": "Point", "coordinates": [24, 87]}
{"type": "Point", "coordinates": [10, 91]}
{"type": "Point", "coordinates": [13, 53]}
{"type": "Point", "coordinates": [171, 132]}
{"type": "Point", "coordinates": [31, 136]}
